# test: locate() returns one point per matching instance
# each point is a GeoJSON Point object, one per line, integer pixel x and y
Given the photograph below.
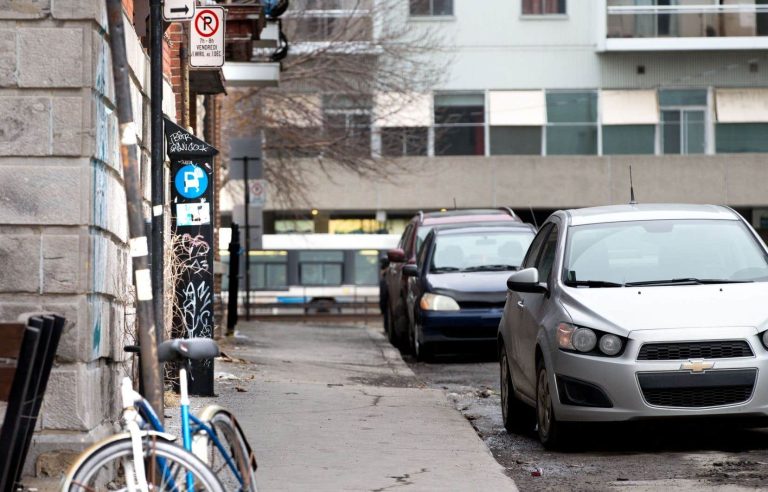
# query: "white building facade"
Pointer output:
{"type": "Point", "coordinates": [547, 103]}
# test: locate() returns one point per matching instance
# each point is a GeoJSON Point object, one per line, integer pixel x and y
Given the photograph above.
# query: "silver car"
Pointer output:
{"type": "Point", "coordinates": [632, 312]}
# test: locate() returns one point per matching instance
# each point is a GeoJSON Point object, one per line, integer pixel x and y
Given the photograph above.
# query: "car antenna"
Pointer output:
{"type": "Point", "coordinates": [632, 200]}
{"type": "Point", "coordinates": [454, 204]}
{"type": "Point", "coordinates": [533, 215]}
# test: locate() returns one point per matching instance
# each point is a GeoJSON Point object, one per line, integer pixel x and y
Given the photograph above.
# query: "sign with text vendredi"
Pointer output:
{"type": "Point", "coordinates": [192, 223]}
{"type": "Point", "coordinates": [206, 38]}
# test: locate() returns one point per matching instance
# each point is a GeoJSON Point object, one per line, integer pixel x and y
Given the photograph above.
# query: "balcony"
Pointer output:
{"type": "Point", "coordinates": [690, 25]}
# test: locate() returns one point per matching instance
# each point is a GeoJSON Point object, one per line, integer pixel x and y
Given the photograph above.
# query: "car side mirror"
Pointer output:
{"type": "Point", "coordinates": [383, 261]}
{"type": "Point", "coordinates": [411, 270]}
{"type": "Point", "coordinates": [396, 255]}
{"type": "Point", "coordinates": [526, 280]}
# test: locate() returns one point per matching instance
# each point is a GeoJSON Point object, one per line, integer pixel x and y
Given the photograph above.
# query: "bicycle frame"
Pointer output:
{"type": "Point", "coordinates": [190, 424]}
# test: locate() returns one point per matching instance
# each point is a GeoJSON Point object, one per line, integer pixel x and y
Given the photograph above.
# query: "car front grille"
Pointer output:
{"type": "Point", "coordinates": [687, 390]}
{"type": "Point", "coordinates": [725, 349]}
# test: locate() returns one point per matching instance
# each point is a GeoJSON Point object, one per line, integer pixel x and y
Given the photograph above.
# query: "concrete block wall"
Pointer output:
{"type": "Point", "coordinates": [63, 225]}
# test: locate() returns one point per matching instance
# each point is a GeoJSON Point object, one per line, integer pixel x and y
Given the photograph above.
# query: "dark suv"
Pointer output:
{"type": "Point", "coordinates": [394, 286]}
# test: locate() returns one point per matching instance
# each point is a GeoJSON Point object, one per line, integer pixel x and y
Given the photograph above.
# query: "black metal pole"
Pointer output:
{"type": "Point", "coordinates": [157, 158]}
{"type": "Point", "coordinates": [129, 157]}
{"type": "Point", "coordinates": [247, 242]}
{"type": "Point", "coordinates": [234, 272]}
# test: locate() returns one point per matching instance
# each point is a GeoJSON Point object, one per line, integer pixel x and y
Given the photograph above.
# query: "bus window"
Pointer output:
{"type": "Point", "coordinates": [321, 267]}
{"type": "Point", "coordinates": [366, 267]}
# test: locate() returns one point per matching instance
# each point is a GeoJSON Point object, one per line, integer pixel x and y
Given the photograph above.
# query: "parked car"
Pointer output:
{"type": "Point", "coordinates": [457, 287]}
{"type": "Point", "coordinates": [635, 312]}
{"type": "Point", "coordinates": [394, 285]}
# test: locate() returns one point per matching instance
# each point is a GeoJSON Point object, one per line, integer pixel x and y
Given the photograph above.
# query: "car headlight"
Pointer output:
{"type": "Point", "coordinates": [585, 340]}
{"type": "Point", "coordinates": [610, 344]}
{"type": "Point", "coordinates": [764, 338]}
{"type": "Point", "coordinates": [436, 302]}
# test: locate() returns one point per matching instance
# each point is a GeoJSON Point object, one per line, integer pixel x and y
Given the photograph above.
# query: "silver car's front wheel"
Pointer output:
{"type": "Point", "coordinates": [551, 432]}
{"type": "Point", "coordinates": [516, 415]}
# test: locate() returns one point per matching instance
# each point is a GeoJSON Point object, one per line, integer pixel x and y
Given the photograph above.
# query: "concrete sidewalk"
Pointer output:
{"type": "Point", "coordinates": [329, 408]}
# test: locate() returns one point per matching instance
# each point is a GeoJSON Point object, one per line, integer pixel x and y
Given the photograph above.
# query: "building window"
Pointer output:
{"type": "Point", "coordinates": [431, 7]}
{"type": "Point", "coordinates": [321, 267]}
{"type": "Point", "coordinates": [459, 124]}
{"type": "Point", "coordinates": [543, 7]}
{"type": "Point", "coordinates": [572, 123]}
{"type": "Point", "coordinates": [515, 140]}
{"type": "Point", "coordinates": [741, 137]}
{"type": "Point", "coordinates": [347, 122]}
{"type": "Point", "coordinates": [629, 139]}
{"type": "Point", "coordinates": [403, 141]}
{"type": "Point", "coordinates": [683, 121]}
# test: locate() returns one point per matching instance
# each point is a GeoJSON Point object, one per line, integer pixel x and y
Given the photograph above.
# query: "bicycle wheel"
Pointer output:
{"type": "Point", "coordinates": [231, 459]}
{"type": "Point", "coordinates": [110, 466]}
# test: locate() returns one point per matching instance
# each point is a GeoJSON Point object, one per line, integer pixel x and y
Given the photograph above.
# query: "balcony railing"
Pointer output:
{"type": "Point", "coordinates": [628, 20]}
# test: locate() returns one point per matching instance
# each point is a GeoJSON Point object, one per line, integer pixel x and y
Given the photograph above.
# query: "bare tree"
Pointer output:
{"type": "Point", "coordinates": [351, 64]}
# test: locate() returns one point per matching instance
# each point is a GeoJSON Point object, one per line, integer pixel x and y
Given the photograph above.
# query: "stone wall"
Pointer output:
{"type": "Point", "coordinates": [63, 227]}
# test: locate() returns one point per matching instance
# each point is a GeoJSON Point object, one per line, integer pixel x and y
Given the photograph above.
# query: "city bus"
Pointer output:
{"type": "Point", "coordinates": [311, 272]}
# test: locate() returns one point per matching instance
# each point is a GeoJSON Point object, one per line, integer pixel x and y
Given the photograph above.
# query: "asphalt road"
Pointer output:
{"type": "Point", "coordinates": [692, 456]}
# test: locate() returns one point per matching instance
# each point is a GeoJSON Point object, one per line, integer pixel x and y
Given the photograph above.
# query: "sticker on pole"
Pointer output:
{"type": "Point", "coordinates": [178, 10]}
{"type": "Point", "coordinates": [206, 38]}
{"type": "Point", "coordinates": [191, 181]}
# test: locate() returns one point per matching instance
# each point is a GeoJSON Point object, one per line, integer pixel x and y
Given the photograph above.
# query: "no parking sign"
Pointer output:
{"type": "Point", "coordinates": [206, 38]}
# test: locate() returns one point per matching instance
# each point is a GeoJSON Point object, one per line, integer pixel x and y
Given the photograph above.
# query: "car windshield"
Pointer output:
{"type": "Point", "coordinates": [663, 252]}
{"type": "Point", "coordinates": [480, 251]}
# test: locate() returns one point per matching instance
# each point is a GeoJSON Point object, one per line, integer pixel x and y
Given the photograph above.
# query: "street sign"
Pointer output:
{"type": "Point", "coordinates": [206, 38]}
{"type": "Point", "coordinates": [178, 10]}
{"type": "Point", "coordinates": [258, 192]}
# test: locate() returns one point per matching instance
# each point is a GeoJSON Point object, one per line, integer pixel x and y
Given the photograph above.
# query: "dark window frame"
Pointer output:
{"type": "Point", "coordinates": [543, 7]}
{"type": "Point", "coordinates": [430, 12]}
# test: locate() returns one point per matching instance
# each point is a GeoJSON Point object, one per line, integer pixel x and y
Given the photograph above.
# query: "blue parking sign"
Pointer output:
{"type": "Point", "coordinates": [191, 181]}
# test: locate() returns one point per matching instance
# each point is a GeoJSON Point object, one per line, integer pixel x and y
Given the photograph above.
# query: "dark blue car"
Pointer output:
{"type": "Point", "coordinates": [458, 286]}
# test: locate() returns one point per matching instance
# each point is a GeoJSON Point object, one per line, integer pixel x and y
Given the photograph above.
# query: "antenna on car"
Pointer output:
{"type": "Point", "coordinates": [632, 200]}
{"type": "Point", "coordinates": [454, 204]}
{"type": "Point", "coordinates": [533, 215]}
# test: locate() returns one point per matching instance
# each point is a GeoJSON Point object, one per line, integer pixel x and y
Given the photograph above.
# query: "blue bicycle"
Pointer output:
{"type": "Point", "coordinates": [214, 456]}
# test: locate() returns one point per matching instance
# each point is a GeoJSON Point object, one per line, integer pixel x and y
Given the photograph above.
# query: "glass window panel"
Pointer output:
{"type": "Point", "coordinates": [572, 107]}
{"type": "Point", "coordinates": [419, 7]}
{"type": "Point", "coordinates": [629, 139]}
{"type": "Point", "coordinates": [572, 140]}
{"type": "Point", "coordinates": [742, 137]}
{"type": "Point", "coordinates": [459, 108]}
{"type": "Point", "coordinates": [398, 142]}
{"type": "Point", "coordinates": [460, 140]}
{"type": "Point", "coordinates": [321, 256]}
{"type": "Point", "coordinates": [683, 97]}
{"type": "Point", "coordinates": [694, 132]}
{"type": "Point", "coordinates": [442, 7]}
{"type": "Point", "coordinates": [366, 267]}
{"type": "Point", "coordinates": [320, 273]}
{"type": "Point", "coordinates": [670, 132]}
{"type": "Point", "coordinates": [516, 140]}
{"type": "Point", "coordinates": [540, 7]}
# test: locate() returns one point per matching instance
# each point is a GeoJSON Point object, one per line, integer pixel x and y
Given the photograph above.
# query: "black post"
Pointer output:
{"type": "Point", "coordinates": [129, 153]}
{"type": "Point", "coordinates": [157, 166]}
{"type": "Point", "coordinates": [234, 281]}
{"type": "Point", "coordinates": [192, 226]}
{"type": "Point", "coordinates": [247, 242]}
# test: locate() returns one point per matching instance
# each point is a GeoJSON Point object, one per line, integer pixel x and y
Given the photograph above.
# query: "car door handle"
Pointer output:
{"type": "Point", "coordinates": [521, 304]}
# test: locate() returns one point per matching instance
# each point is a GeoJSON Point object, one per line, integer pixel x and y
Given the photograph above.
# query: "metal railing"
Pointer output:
{"type": "Point", "coordinates": [654, 21]}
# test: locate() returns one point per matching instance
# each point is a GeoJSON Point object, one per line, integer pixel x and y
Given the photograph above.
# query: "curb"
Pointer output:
{"type": "Point", "coordinates": [391, 354]}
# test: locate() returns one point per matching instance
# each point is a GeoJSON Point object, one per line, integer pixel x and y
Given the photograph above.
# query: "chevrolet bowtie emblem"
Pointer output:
{"type": "Point", "coordinates": [697, 365]}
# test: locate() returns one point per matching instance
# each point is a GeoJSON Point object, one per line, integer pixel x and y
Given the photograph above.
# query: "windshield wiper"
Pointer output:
{"type": "Point", "coordinates": [592, 283]}
{"type": "Point", "coordinates": [445, 269]}
{"type": "Point", "coordinates": [480, 268]}
{"type": "Point", "coordinates": [688, 281]}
